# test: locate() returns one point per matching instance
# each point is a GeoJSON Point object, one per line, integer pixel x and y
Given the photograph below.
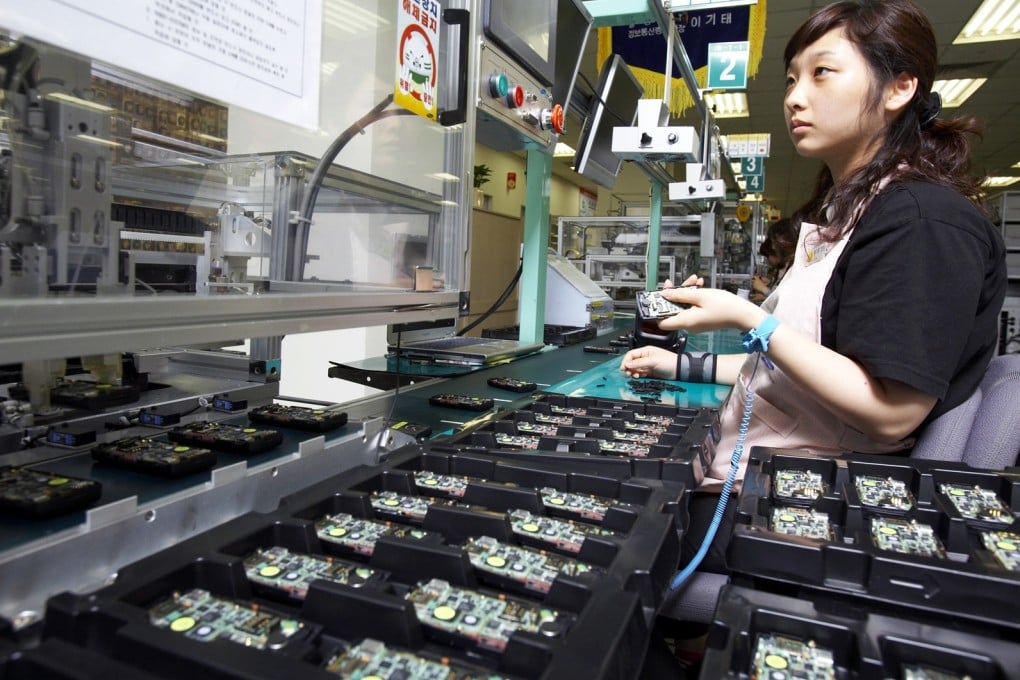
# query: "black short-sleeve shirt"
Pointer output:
{"type": "Point", "coordinates": [916, 293]}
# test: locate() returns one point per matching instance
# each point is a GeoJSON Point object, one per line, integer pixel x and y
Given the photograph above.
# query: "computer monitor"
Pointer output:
{"type": "Point", "coordinates": [573, 27]}
{"type": "Point", "coordinates": [615, 104]}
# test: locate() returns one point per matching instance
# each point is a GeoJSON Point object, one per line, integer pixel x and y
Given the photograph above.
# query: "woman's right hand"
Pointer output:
{"type": "Point", "coordinates": [649, 361]}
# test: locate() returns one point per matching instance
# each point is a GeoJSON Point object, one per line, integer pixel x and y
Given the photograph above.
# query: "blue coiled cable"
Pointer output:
{"type": "Point", "coordinates": [720, 508]}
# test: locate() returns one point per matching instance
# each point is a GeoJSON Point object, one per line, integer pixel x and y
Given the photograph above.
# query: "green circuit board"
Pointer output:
{"type": "Point", "coordinates": [480, 621]}
{"type": "Point", "coordinates": [527, 568]}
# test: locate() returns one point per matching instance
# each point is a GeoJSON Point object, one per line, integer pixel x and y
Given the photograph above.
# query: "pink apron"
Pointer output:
{"type": "Point", "coordinates": [784, 415]}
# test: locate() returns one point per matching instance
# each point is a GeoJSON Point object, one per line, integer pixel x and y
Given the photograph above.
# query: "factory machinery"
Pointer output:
{"type": "Point", "coordinates": [164, 510]}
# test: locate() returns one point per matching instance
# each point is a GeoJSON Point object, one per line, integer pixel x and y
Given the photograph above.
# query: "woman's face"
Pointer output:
{"type": "Point", "coordinates": [827, 109]}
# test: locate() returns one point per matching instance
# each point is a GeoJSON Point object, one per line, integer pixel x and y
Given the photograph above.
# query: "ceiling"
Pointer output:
{"type": "Point", "coordinates": [789, 178]}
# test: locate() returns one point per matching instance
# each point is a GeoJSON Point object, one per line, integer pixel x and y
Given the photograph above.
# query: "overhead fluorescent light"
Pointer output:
{"type": "Point", "coordinates": [998, 182]}
{"type": "Point", "coordinates": [1016, 165]}
{"type": "Point", "coordinates": [727, 104]}
{"type": "Point", "coordinates": [444, 177]}
{"type": "Point", "coordinates": [956, 91]}
{"type": "Point", "coordinates": [563, 150]}
{"type": "Point", "coordinates": [993, 20]}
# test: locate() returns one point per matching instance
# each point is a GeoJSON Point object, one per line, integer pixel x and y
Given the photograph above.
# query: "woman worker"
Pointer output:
{"type": "Point", "coordinates": [887, 317]}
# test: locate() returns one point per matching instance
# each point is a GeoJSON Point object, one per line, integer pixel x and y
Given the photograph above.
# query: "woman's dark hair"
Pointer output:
{"type": "Point", "coordinates": [780, 240]}
{"type": "Point", "coordinates": [895, 37]}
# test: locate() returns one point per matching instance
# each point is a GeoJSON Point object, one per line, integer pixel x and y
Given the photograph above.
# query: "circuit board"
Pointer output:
{"type": "Point", "coordinates": [568, 410]}
{"type": "Point", "coordinates": [801, 522]}
{"type": "Point", "coordinates": [974, 502]}
{"type": "Point", "coordinates": [622, 448]}
{"type": "Point", "coordinates": [36, 493]}
{"type": "Point", "coordinates": [322, 419]}
{"type": "Point", "coordinates": [373, 660]}
{"type": "Point", "coordinates": [93, 396]}
{"type": "Point", "coordinates": [551, 532]}
{"type": "Point", "coordinates": [907, 537]}
{"type": "Point", "coordinates": [651, 428]}
{"type": "Point", "coordinates": [884, 492]}
{"type": "Point", "coordinates": [528, 427]}
{"type": "Point", "coordinates": [200, 615]}
{"type": "Point", "coordinates": [401, 506]}
{"type": "Point", "coordinates": [518, 441]}
{"type": "Point", "coordinates": [798, 484]}
{"type": "Point", "coordinates": [635, 437]}
{"type": "Point", "coordinates": [156, 457]}
{"type": "Point", "coordinates": [226, 437]}
{"type": "Point", "coordinates": [454, 486]}
{"type": "Point", "coordinates": [528, 569]}
{"type": "Point", "coordinates": [664, 421]}
{"type": "Point", "coordinates": [292, 573]}
{"type": "Point", "coordinates": [778, 656]}
{"type": "Point", "coordinates": [554, 419]}
{"type": "Point", "coordinates": [480, 621]}
{"type": "Point", "coordinates": [1004, 546]}
{"type": "Point", "coordinates": [579, 505]}
{"type": "Point", "coordinates": [358, 535]}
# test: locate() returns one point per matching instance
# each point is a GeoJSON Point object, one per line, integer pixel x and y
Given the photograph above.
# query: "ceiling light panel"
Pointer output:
{"type": "Point", "coordinates": [727, 104]}
{"type": "Point", "coordinates": [956, 91]}
{"type": "Point", "coordinates": [993, 20]}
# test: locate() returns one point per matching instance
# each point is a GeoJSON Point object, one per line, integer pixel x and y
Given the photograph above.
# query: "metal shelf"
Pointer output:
{"type": "Point", "coordinates": [54, 328]}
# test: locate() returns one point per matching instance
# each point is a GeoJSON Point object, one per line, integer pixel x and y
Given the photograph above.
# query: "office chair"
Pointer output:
{"type": "Point", "coordinates": [983, 432]}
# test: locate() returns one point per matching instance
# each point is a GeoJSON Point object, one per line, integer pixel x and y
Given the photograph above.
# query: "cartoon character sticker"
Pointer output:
{"type": "Point", "coordinates": [416, 81]}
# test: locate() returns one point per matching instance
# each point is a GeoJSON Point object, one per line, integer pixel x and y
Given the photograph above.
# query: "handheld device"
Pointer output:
{"type": "Point", "coordinates": [652, 305]}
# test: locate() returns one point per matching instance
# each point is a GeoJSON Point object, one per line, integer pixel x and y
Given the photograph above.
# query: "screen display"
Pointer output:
{"type": "Point", "coordinates": [614, 105]}
{"type": "Point", "coordinates": [573, 27]}
{"type": "Point", "coordinates": [528, 20]}
{"type": "Point", "coordinates": [526, 30]}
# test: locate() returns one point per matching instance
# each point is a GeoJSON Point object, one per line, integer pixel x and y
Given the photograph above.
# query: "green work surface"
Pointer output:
{"type": "Point", "coordinates": [607, 381]}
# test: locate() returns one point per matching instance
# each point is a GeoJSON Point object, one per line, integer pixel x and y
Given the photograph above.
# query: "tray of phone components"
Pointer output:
{"type": "Point", "coordinates": [654, 441]}
{"type": "Point", "coordinates": [495, 568]}
{"type": "Point", "coordinates": [758, 634]}
{"type": "Point", "coordinates": [936, 536]}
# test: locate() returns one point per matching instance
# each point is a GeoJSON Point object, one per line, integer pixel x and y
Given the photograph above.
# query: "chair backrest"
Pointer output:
{"type": "Point", "coordinates": [983, 431]}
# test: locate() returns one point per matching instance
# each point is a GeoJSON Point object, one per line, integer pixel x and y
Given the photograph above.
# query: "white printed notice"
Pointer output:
{"type": "Point", "coordinates": [261, 55]}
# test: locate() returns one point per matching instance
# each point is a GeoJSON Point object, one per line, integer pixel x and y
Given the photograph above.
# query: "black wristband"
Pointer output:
{"type": "Point", "coordinates": [695, 367]}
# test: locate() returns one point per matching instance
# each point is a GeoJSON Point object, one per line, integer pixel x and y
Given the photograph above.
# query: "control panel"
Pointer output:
{"type": "Point", "coordinates": [513, 107]}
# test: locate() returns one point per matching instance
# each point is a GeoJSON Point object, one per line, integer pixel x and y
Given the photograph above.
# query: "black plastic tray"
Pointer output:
{"type": "Point", "coordinates": [863, 645]}
{"type": "Point", "coordinates": [610, 611]}
{"type": "Point", "coordinates": [676, 455]}
{"type": "Point", "coordinates": [966, 582]}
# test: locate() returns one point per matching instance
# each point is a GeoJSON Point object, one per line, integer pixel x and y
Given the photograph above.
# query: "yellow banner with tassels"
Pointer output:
{"type": "Point", "coordinates": [643, 47]}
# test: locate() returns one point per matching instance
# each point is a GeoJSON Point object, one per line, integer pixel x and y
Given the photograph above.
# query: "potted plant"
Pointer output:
{"type": "Point", "coordinates": [482, 173]}
{"type": "Point", "coordinates": [481, 176]}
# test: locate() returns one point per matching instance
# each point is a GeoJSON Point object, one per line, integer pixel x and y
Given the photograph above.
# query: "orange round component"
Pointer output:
{"type": "Point", "coordinates": [556, 119]}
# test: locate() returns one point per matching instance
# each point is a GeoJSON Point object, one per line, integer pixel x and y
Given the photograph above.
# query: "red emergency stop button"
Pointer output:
{"type": "Point", "coordinates": [515, 98]}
